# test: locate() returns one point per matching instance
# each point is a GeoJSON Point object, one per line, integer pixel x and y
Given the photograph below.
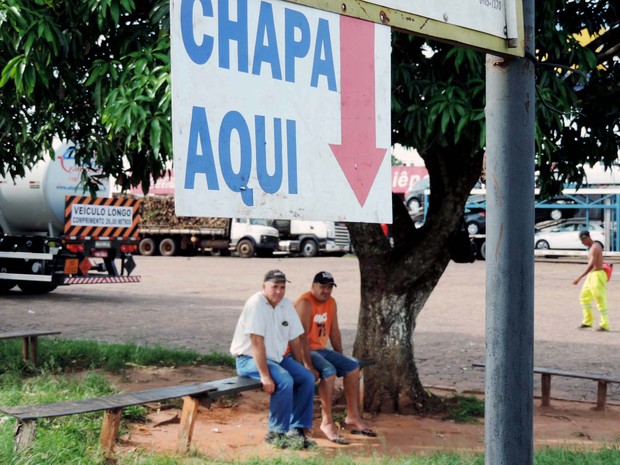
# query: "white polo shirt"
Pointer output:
{"type": "Point", "coordinates": [277, 325]}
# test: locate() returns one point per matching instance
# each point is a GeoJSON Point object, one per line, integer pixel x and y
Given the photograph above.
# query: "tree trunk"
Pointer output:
{"type": "Point", "coordinates": [396, 281]}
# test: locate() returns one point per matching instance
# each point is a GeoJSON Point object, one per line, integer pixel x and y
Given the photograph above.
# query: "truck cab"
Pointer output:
{"type": "Point", "coordinates": [311, 238]}
{"type": "Point", "coordinates": [252, 235]}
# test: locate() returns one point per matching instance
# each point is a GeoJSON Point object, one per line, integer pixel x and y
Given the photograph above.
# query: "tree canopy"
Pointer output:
{"type": "Point", "coordinates": [97, 72]}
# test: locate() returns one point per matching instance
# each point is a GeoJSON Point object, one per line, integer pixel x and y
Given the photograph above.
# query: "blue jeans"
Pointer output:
{"type": "Point", "coordinates": [291, 404]}
{"type": "Point", "coordinates": [329, 362]}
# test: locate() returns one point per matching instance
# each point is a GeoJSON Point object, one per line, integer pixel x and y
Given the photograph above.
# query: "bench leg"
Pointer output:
{"type": "Point", "coordinates": [25, 348]}
{"type": "Point", "coordinates": [545, 384]}
{"type": "Point", "coordinates": [24, 434]}
{"type": "Point", "coordinates": [34, 349]}
{"type": "Point", "coordinates": [188, 419]}
{"type": "Point", "coordinates": [109, 429]}
{"type": "Point", "coordinates": [601, 395]}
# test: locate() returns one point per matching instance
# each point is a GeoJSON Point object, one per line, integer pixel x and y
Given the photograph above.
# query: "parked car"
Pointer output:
{"type": "Point", "coordinates": [475, 221]}
{"type": "Point", "coordinates": [565, 234]}
{"type": "Point", "coordinates": [556, 212]}
{"type": "Point", "coordinates": [414, 197]}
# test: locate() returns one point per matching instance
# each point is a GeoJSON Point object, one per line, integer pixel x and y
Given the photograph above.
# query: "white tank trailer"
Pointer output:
{"type": "Point", "coordinates": [53, 233]}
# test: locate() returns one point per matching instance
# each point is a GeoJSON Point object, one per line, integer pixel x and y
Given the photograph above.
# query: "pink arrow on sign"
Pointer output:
{"type": "Point", "coordinates": [358, 155]}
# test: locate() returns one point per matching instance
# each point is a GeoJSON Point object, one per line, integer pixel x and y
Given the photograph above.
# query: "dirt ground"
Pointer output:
{"type": "Point", "coordinates": [194, 303]}
{"type": "Point", "coordinates": [234, 429]}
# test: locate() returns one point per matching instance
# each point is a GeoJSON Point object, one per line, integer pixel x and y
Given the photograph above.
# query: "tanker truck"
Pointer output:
{"type": "Point", "coordinates": [51, 235]}
{"type": "Point", "coordinates": [167, 234]}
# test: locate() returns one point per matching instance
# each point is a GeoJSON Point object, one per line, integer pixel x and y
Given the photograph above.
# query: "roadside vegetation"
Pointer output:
{"type": "Point", "coordinates": [75, 439]}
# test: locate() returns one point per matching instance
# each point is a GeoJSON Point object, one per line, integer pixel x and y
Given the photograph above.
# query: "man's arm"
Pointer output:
{"type": "Point", "coordinates": [304, 311]}
{"type": "Point", "coordinates": [593, 258]}
{"type": "Point", "coordinates": [260, 358]}
{"type": "Point", "coordinates": [334, 333]}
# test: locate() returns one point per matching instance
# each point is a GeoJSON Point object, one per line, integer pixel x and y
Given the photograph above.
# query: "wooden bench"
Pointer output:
{"type": "Point", "coordinates": [30, 347]}
{"type": "Point", "coordinates": [113, 405]}
{"type": "Point", "coordinates": [545, 383]}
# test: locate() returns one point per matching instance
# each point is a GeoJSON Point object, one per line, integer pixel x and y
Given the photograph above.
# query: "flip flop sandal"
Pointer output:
{"type": "Point", "coordinates": [340, 440]}
{"type": "Point", "coordinates": [365, 432]}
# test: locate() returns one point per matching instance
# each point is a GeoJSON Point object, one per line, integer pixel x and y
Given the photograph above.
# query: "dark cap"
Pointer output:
{"type": "Point", "coordinates": [584, 233]}
{"type": "Point", "coordinates": [276, 276]}
{"type": "Point", "coordinates": [324, 277]}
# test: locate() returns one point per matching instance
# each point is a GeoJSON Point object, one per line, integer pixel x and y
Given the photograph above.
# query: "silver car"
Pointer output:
{"type": "Point", "coordinates": [565, 235]}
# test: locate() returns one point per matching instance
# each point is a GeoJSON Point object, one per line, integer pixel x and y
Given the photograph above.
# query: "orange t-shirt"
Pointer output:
{"type": "Point", "coordinates": [320, 320]}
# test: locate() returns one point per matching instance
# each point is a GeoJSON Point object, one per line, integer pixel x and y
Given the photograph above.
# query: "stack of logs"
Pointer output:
{"type": "Point", "coordinates": [158, 211]}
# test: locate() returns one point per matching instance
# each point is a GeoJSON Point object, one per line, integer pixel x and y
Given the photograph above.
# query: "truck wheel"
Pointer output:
{"type": "Point", "coordinates": [483, 250]}
{"type": "Point", "coordinates": [168, 247]}
{"type": "Point", "coordinates": [36, 287]}
{"type": "Point", "coordinates": [147, 247]}
{"type": "Point", "coordinates": [245, 248]}
{"type": "Point", "coordinates": [309, 248]}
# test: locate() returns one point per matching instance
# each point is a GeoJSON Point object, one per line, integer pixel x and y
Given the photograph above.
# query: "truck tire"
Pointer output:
{"type": "Point", "coordinates": [309, 248]}
{"type": "Point", "coordinates": [147, 247]}
{"type": "Point", "coordinates": [245, 248]}
{"type": "Point", "coordinates": [168, 247]}
{"type": "Point", "coordinates": [35, 287]}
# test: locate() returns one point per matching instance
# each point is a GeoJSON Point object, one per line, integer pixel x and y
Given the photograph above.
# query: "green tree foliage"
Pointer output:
{"type": "Point", "coordinates": [439, 99]}
{"type": "Point", "coordinates": [96, 72]}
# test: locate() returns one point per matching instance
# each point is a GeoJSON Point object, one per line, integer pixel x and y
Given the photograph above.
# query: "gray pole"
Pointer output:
{"type": "Point", "coordinates": [510, 100]}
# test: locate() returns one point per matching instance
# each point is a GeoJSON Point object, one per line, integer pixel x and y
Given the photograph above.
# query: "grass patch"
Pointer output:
{"type": "Point", "coordinates": [464, 409]}
{"type": "Point", "coordinates": [59, 355]}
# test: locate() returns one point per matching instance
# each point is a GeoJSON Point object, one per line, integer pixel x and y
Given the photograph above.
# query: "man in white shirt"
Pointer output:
{"type": "Point", "coordinates": [268, 323]}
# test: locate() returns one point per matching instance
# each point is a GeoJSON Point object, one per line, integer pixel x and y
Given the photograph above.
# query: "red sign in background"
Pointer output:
{"type": "Point", "coordinates": [403, 177]}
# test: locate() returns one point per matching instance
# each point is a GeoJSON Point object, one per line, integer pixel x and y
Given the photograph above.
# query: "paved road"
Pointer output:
{"type": "Point", "coordinates": [195, 302]}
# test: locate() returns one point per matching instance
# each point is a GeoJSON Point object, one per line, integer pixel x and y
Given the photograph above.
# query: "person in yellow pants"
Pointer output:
{"type": "Point", "coordinates": [595, 285]}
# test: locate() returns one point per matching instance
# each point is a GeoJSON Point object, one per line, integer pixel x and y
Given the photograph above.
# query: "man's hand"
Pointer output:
{"type": "Point", "coordinates": [576, 280]}
{"type": "Point", "coordinates": [269, 386]}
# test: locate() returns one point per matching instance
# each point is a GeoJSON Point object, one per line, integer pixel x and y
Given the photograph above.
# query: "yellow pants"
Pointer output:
{"type": "Point", "coordinates": [594, 288]}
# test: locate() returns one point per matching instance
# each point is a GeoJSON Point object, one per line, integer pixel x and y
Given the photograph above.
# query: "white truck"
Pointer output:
{"type": "Point", "coordinates": [167, 234]}
{"type": "Point", "coordinates": [52, 235]}
{"type": "Point", "coordinates": [311, 238]}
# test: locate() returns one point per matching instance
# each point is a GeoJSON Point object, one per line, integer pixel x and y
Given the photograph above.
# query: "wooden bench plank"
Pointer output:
{"type": "Point", "coordinates": [28, 412]}
{"type": "Point", "coordinates": [18, 334]}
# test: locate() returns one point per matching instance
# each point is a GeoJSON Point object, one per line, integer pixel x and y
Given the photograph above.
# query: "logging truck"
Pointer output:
{"type": "Point", "coordinates": [162, 232]}
{"type": "Point", "coordinates": [53, 235]}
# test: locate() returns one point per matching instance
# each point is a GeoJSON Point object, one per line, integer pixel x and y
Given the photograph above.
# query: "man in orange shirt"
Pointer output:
{"type": "Point", "coordinates": [317, 311]}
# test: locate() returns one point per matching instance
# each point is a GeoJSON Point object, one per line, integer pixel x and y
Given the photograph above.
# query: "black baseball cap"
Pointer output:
{"type": "Point", "coordinates": [276, 276]}
{"type": "Point", "coordinates": [584, 233]}
{"type": "Point", "coordinates": [324, 277]}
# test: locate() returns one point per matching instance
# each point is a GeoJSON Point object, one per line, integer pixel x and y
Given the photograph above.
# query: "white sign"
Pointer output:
{"type": "Point", "coordinates": [101, 215]}
{"type": "Point", "coordinates": [489, 16]}
{"type": "Point", "coordinates": [279, 111]}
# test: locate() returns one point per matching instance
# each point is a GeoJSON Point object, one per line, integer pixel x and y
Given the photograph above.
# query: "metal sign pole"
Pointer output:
{"type": "Point", "coordinates": [510, 255]}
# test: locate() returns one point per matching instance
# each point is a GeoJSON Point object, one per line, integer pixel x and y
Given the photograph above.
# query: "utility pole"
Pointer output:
{"type": "Point", "coordinates": [510, 112]}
